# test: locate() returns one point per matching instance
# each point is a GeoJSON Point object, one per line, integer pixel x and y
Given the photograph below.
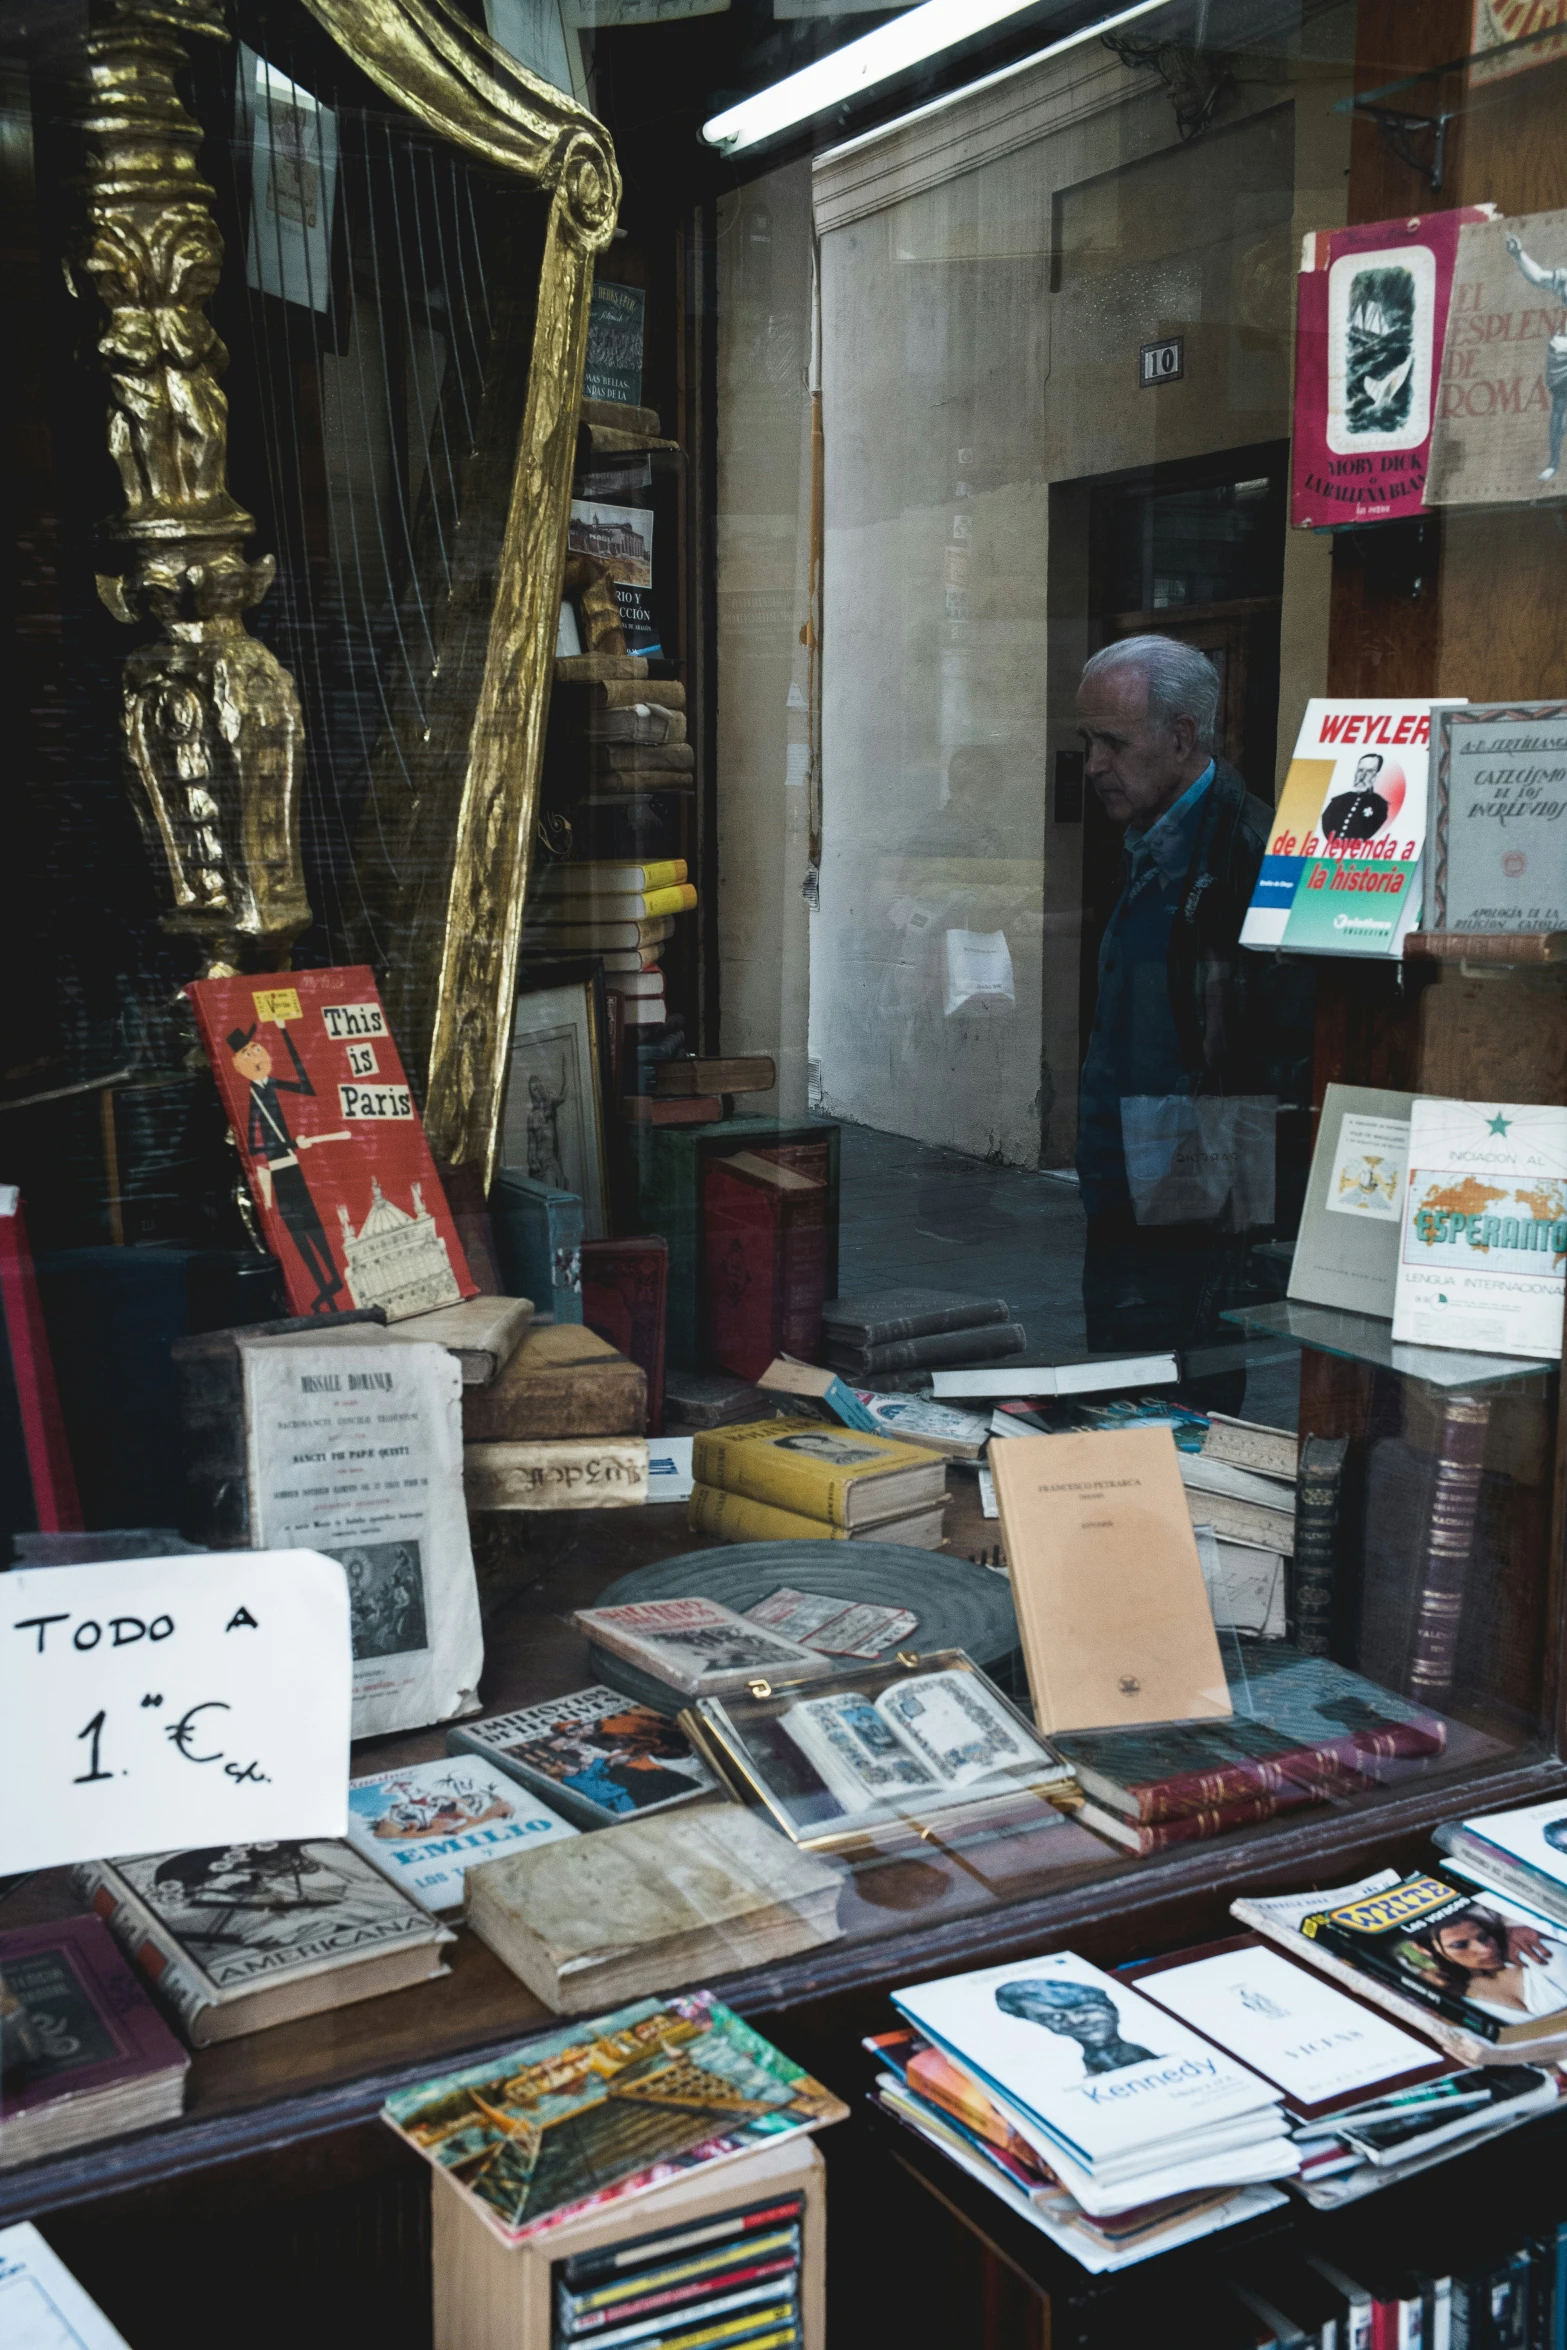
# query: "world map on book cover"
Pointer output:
{"type": "Point", "coordinates": [331, 1143]}
{"type": "Point", "coordinates": [620, 2103]}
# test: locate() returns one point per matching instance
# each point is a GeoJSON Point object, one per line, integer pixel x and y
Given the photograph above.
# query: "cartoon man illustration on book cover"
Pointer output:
{"type": "Point", "coordinates": [270, 1140]}
{"type": "Point", "coordinates": [328, 1132]}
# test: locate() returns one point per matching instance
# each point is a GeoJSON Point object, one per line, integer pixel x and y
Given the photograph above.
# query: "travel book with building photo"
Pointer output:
{"type": "Point", "coordinates": [604, 2110]}
{"type": "Point", "coordinates": [1483, 1241]}
{"type": "Point", "coordinates": [595, 1756]}
{"type": "Point", "coordinates": [330, 1141]}
{"type": "Point", "coordinates": [427, 1825]}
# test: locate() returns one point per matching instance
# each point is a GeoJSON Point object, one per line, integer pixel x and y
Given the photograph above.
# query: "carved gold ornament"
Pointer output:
{"type": "Point", "coordinates": [211, 720]}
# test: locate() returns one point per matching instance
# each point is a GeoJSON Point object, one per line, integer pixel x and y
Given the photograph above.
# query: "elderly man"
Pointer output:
{"type": "Point", "coordinates": [1171, 1017]}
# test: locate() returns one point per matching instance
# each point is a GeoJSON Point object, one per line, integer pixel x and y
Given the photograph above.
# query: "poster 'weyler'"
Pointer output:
{"type": "Point", "coordinates": [333, 1151]}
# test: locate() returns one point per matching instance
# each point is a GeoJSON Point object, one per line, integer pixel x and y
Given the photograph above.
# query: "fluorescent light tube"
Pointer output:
{"type": "Point", "coordinates": [891, 49]}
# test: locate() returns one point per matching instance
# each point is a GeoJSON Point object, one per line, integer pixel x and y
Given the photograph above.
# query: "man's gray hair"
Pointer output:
{"type": "Point", "coordinates": [1182, 683]}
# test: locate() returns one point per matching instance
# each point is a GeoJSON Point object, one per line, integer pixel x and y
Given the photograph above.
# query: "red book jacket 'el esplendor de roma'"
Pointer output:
{"type": "Point", "coordinates": [330, 1141]}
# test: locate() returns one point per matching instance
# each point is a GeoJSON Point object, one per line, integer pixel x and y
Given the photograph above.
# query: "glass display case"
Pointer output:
{"type": "Point", "coordinates": [869, 714]}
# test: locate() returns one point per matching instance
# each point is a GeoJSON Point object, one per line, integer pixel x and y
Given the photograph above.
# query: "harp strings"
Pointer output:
{"type": "Point", "coordinates": [369, 326]}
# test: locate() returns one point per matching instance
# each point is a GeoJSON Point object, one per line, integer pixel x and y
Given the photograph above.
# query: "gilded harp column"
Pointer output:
{"type": "Point", "coordinates": [211, 720]}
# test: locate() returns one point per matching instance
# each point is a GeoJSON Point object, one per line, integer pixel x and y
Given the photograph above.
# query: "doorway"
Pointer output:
{"type": "Point", "coordinates": [1195, 551]}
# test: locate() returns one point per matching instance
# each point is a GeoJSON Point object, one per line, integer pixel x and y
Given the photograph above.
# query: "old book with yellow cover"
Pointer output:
{"type": "Point", "coordinates": [1111, 1604]}
{"type": "Point", "coordinates": [737, 1518]}
{"type": "Point", "coordinates": [834, 1474]}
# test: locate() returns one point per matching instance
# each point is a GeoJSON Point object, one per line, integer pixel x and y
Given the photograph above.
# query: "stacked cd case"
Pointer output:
{"type": "Point", "coordinates": [727, 2283]}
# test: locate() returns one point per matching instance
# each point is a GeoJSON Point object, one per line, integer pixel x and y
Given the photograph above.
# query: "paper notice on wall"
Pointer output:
{"type": "Point", "coordinates": [979, 969]}
{"type": "Point", "coordinates": [356, 1450]}
{"type": "Point", "coordinates": [292, 140]}
{"type": "Point", "coordinates": [149, 1704]}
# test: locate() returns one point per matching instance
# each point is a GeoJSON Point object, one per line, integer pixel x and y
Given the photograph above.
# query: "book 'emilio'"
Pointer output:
{"type": "Point", "coordinates": [331, 1143]}
{"type": "Point", "coordinates": [1483, 1243]}
{"type": "Point", "coordinates": [1341, 872]}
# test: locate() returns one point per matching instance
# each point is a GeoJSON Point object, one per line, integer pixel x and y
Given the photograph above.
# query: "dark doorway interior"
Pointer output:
{"type": "Point", "coordinates": [1194, 550]}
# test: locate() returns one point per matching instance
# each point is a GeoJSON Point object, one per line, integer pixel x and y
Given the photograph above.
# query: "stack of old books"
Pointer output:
{"type": "Point", "coordinates": [562, 1426]}
{"type": "Point", "coordinates": [798, 1480]}
{"type": "Point", "coordinates": [892, 1339]}
{"type": "Point", "coordinates": [624, 914]}
{"type": "Point", "coordinates": [1303, 1730]}
{"type": "Point", "coordinates": [1115, 2128]}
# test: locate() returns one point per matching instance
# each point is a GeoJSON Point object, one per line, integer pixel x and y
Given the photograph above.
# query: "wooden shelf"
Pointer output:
{"type": "Point", "coordinates": [1504, 947]}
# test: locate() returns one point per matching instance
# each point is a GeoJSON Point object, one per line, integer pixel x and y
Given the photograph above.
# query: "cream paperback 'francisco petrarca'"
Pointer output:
{"type": "Point", "coordinates": [1484, 1236]}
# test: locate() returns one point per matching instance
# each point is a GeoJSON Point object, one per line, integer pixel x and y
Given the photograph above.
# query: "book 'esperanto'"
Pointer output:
{"type": "Point", "coordinates": [1483, 1244]}
{"type": "Point", "coordinates": [330, 1141]}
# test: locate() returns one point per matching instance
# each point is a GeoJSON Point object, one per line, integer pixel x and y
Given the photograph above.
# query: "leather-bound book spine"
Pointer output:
{"type": "Point", "coordinates": [1448, 1546]}
{"type": "Point", "coordinates": [1313, 1572]}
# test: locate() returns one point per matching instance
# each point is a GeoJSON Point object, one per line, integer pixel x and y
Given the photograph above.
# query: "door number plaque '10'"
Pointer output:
{"type": "Point", "coordinates": [1161, 363]}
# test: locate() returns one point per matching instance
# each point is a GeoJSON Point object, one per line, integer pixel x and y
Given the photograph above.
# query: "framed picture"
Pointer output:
{"type": "Point", "coordinates": [555, 1126]}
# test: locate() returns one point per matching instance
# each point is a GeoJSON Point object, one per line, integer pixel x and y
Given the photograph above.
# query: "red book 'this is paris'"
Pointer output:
{"type": "Point", "coordinates": [330, 1141]}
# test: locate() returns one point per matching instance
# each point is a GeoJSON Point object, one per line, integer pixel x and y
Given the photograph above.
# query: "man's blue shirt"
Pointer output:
{"type": "Point", "coordinates": [1135, 1047]}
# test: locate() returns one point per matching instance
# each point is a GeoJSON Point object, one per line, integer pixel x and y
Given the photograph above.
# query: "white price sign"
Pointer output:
{"type": "Point", "coordinates": [152, 1704]}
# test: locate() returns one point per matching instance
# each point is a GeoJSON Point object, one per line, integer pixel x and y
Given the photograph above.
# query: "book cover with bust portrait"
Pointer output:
{"type": "Point", "coordinates": [331, 1143]}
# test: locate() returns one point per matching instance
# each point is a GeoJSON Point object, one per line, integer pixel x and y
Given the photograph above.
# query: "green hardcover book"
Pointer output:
{"type": "Point", "coordinates": [538, 1244]}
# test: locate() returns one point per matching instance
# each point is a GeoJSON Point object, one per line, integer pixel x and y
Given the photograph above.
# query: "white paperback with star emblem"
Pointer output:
{"type": "Point", "coordinates": [1483, 1244]}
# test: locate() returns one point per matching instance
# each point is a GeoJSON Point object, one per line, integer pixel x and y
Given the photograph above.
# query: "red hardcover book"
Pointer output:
{"type": "Point", "coordinates": [49, 1468]}
{"type": "Point", "coordinates": [766, 1261]}
{"type": "Point", "coordinates": [331, 1144]}
{"type": "Point", "coordinates": [657, 1109]}
{"type": "Point", "coordinates": [625, 1295]}
{"type": "Point", "coordinates": [1372, 315]}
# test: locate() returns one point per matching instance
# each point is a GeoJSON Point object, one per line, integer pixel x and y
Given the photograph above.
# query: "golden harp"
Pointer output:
{"type": "Point", "coordinates": [405, 297]}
